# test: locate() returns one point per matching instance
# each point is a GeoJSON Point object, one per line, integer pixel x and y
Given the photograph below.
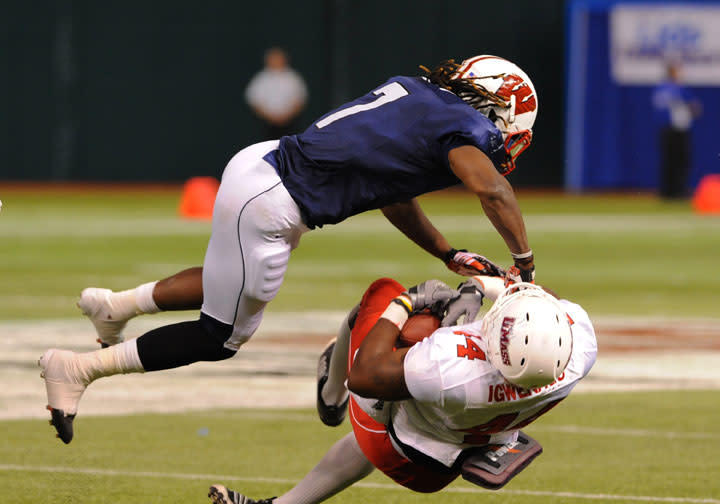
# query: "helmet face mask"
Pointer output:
{"type": "Point", "coordinates": [506, 96]}
{"type": "Point", "coordinates": [529, 336]}
{"type": "Point", "coordinates": [515, 144]}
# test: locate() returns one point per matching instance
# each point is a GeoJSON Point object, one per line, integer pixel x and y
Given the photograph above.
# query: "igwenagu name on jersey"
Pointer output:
{"type": "Point", "coordinates": [508, 392]}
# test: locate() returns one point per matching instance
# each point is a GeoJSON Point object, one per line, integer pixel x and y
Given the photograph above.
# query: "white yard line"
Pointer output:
{"type": "Point", "coordinates": [564, 429]}
{"type": "Point", "coordinates": [213, 478]}
{"type": "Point", "coordinates": [373, 222]}
{"type": "Point", "coordinates": [256, 378]}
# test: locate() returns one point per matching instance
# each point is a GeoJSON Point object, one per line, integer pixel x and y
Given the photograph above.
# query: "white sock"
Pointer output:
{"type": "Point", "coordinates": [127, 304]}
{"type": "Point", "coordinates": [122, 358]}
{"type": "Point", "coordinates": [334, 391]}
{"type": "Point", "coordinates": [342, 465]}
{"type": "Point", "coordinates": [144, 298]}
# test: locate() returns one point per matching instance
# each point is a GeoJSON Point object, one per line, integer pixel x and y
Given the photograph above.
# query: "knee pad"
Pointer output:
{"type": "Point", "coordinates": [218, 332]}
{"type": "Point", "coordinates": [265, 272]}
{"type": "Point", "coordinates": [183, 343]}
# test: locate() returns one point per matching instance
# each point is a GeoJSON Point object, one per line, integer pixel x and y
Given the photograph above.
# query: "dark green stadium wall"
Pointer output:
{"type": "Point", "coordinates": [154, 90]}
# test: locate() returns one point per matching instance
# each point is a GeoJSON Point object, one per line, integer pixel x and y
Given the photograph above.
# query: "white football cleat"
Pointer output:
{"type": "Point", "coordinates": [97, 305]}
{"type": "Point", "coordinates": [64, 389]}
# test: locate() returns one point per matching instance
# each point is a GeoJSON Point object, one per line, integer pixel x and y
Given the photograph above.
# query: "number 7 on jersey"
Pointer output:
{"type": "Point", "coordinates": [385, 94]}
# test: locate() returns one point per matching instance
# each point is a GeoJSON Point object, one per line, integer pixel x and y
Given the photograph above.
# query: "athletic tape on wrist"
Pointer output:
{"type": "Point", "coordinates": [492, 286]}
{"type": "Point", "coordinates": [523, 255]}
{"type": "Point", "coordinates": [397, 312]}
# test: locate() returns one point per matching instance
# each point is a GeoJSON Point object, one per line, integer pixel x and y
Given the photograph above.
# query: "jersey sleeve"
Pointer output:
{"type": "Point", "coordinates": [584, 339]}
{"type": "Point", "coordinates": [462, 125]}
{"type": "Point", "coordinates": [436, 373]}
{"type": "Point", "coordinates": [422, 372]}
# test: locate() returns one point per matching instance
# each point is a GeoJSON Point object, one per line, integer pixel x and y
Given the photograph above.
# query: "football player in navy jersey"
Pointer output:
{"type": "Point", "coordinates": [460, 123]}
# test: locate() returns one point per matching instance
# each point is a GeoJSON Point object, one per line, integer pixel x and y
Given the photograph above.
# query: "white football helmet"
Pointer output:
{"type": "Point", "coordinates": [529, 336]}
{"type": "Point", "coordinates": [506, 95]}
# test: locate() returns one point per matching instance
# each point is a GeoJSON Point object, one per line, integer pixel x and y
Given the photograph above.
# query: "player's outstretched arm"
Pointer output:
{"type": "Point", "coordinates": [498, 200]}
{"type": "Point", "coordinates": [409, 218]}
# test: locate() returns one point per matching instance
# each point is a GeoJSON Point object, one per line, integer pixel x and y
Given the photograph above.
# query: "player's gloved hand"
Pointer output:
{"type": "Point", "coordinates": [432, 294]}
{"type": "Point", "coordinates": [467, 263]}
{"type": "Point", "coordinates": [522, 271]}
{"type": "Point", "coordinates": [468, 303]}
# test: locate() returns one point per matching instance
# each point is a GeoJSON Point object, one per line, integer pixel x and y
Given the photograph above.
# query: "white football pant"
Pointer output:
{"type": "Point", "coordinates": [255, 225]}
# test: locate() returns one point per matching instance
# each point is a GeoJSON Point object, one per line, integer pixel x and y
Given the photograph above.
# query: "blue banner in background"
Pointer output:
{"type": "Point", "coordinates": [617, 54]}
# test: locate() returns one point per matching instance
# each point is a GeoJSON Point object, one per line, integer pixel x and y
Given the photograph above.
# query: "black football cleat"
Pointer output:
{"type": "Point", "coordinates": [222, 495]}
{"type": "Point", "coordinates": [63, 424]}
{"type": "Point", "coordinates": [331, 415]}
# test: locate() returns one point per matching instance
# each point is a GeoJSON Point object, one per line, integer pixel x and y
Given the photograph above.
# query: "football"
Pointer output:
{"type": "Point", "coordinates": [418, 327]}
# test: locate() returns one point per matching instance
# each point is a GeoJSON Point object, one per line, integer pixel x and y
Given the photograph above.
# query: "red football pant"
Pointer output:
{"type": "Point", "coordinates": [371, 435]}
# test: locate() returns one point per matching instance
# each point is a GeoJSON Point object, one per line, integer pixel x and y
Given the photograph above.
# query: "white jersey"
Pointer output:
{"type": "Point", "coordinates": [461, 400]}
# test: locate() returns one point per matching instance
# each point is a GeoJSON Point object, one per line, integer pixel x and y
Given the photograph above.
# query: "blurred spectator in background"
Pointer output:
{"type": "Point", "coordinates": [277, 94]}
{"type": "Point", "coordinates": [675, 108]}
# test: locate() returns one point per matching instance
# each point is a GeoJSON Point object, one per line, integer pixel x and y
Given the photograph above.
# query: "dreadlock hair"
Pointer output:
{"type": "Point", "coordinates": [475, 95]}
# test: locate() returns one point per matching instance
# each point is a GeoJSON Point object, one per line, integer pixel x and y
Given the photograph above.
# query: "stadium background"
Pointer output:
{"type": "Point", "coordinates": [153, 92]}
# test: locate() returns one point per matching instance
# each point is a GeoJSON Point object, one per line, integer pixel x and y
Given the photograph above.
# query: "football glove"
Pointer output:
{"type": "Point", "coordinates": [432, 294]}
{"type": "Point", "coordinates": [468, 303]}
{"type": "Point", "coordinates": [467, 263]}
{"type": "Point", "coordinates": [516, 274]}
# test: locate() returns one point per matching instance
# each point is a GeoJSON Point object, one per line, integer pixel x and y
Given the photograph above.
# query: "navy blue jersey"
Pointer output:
{"type": "Point", "coordinates": [388, 146]}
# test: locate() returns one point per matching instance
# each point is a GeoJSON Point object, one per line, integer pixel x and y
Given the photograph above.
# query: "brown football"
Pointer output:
{"type": "Point", "coordinates": [417, 328]}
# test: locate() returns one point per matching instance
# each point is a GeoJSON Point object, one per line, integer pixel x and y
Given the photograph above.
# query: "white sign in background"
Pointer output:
{"type": "Point", "coordinates": [644, 37]}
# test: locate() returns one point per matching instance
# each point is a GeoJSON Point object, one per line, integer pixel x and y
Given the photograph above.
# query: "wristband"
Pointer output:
{"type": "Point", "coordinates": [524, 255]}
{"type": "Point", "coordinates": [397, 311]}
{"type": "Point", "coordinates": [449, 255]}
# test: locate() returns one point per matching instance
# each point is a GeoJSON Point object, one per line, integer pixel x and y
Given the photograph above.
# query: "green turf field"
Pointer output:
{"type": "Point", "coordinates": [631, 254]}
{"type": "Point", "coordinates": [620, 448]}
{"type": "Point", "coordinates": [627, 255]}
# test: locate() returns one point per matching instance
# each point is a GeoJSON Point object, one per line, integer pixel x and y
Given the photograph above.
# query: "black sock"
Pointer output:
{"type": "Point", "coordinates": [181, 344]}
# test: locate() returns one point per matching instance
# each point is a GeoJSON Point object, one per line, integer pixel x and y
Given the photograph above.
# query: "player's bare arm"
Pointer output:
{"type": "Point", "coordinates": [377, 371]}
{"type": "Point", "coordinates": [480, 176]}
{"type": "Point", "coordinates": [409, 218]}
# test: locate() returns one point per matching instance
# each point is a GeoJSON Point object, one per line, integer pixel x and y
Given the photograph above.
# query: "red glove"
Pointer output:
{"type": "Point", "coordinates": [467, 263]}
{"type": "Point", "coordinates": [522, 271]}
{"type": "Point", "coordinates": [516, 275]}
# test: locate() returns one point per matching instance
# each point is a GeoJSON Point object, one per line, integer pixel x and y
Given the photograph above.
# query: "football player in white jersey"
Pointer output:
{"type": "Point", "coordinates": [453, 404]}
{"type": "Point", "coordinates": [461, 123]}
